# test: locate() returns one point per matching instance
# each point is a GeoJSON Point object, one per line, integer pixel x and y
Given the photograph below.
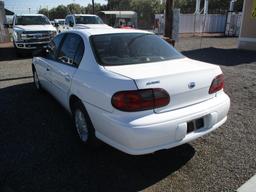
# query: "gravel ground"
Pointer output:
{"type": "Point", "coordinates": [39, 150]}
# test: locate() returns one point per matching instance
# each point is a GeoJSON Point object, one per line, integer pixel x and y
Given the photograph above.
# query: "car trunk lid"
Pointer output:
{"type": "Point", "coordinates": [187, 81]}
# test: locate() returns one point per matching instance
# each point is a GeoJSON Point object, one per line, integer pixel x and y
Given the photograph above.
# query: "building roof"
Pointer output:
{"type": "Point", "coordinates": [127, 14]}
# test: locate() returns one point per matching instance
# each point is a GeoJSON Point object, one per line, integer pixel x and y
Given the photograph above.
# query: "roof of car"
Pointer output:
{"type": "Point", "coordinates": [102, 31]}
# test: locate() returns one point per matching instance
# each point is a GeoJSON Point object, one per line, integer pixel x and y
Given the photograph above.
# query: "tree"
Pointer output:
{"type": "Point", "coordinates": [89, 9]}
{"type": "Point", "coordinates": [120, 5]}
{"type": "Point", "coordinates": [74, 8]}
{"type": "Point", "coordinates": [44, 11]}
{"type": "Point", "coordinates": [215, 6]}
{"type": "Point", "coordinates": [61, 11]}
{"type": "Point", "coordinates": [146, 10]}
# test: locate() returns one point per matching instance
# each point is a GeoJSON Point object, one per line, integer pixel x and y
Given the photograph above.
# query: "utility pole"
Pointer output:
{"type": "Point", "coordinates": [168, 18]}
{"type": "Point", "coordinates": [92, 6]}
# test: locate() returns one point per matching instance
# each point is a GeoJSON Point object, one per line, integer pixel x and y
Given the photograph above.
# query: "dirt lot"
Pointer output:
{"type": "Point", "coordinates": [40, 152]}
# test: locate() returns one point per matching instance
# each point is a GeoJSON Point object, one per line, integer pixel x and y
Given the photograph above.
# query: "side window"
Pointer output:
{"type": "Point", "coordinates": [79, 53]}
{"type": "Point", "coordinates": [70, 53]}
{"type": "Point", "coordinates": [54, 45]}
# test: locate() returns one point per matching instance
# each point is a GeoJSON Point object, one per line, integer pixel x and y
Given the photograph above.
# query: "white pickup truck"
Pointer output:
{"type": "Point", "coordinates": [83, 21]}
{"type": "Point", "coordinates": [31, 31]}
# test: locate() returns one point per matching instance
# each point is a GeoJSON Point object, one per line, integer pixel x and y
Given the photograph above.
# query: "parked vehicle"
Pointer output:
{"type": "Point", "coordinates": [79, 20]}
{"type": "Point", "coordinates": [31, 31]}
{"type": "Point", "coordinates": [59, 24]}
{"type": "Point", "coordinates": [131, 89]}
{"type": "Point", "coordinates": [119, 19]}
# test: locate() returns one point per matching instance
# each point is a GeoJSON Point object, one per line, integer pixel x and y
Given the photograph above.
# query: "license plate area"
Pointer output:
{"type": "Point", "coordinates": [195, 125]}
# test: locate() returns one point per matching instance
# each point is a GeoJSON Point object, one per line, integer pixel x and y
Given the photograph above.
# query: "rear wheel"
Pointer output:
{"type": "Point", "coordinates": [83, 125]}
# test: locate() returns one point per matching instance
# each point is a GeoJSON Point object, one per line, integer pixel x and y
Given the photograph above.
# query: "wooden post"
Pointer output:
{"type": "Point", "coordinates": [92, 6]}
{"type": "Point", "coordinates": [169, 21]}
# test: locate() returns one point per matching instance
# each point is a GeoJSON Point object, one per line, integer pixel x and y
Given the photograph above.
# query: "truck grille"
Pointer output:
{"type": "Point", "coordinates": [36, 36]}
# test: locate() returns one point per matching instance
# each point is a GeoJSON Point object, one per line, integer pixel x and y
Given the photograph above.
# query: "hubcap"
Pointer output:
{"type": "Point", "coordinates": [81, 125]}
{"type": "Point", "coordinates": [36, 80]}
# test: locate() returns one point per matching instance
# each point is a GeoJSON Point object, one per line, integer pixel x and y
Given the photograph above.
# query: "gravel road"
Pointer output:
{"type": "Point", "coordinates": [39, 150]}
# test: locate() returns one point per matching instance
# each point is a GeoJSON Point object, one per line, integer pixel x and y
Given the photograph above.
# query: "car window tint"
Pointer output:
{"type": "Point", "coordinates": [54, 45]}
{"type": "Point", "coordinates": [79, 53]}
{"type": "Point", "coordinates": [131, 48]}
{"type": "Point", "coordinates": [69, 47]}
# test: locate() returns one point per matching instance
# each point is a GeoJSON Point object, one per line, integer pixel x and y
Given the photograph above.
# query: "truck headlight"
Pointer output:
{"type": "Point", "coordinates": [17, 35]}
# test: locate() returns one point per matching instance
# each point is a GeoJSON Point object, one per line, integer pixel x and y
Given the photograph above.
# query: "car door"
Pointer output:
{"type": "Point", "coordinates": [45, 63]}
{"type": "Point", "coordinates": [68, 60]}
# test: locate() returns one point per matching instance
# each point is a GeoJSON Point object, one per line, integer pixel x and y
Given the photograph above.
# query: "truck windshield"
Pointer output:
{"type": "Point", "coordinates": [131, 48]}
{"type": "Point", "coordinates": [32, 20]}
{"type": "Point", "coordinates": [88, 20]}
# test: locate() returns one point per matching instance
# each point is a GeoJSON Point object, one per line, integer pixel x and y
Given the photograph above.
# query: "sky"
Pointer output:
{"type": "Point", "coordinates": [23, 6]}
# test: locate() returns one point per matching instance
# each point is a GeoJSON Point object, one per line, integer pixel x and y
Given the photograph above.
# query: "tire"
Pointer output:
{"type": "Point", "coordinates": [83, 125]}
{"type": "Point", "coordinates": [19, 52]}
{"type": "Point", "coordinates": [36, 80]}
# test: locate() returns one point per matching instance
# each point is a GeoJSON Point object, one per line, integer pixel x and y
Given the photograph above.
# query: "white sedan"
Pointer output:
{"type": "Point", "coordinates": [131, 89]}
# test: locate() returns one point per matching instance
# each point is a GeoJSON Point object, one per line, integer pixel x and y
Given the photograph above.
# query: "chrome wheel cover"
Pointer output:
{"type": "Point", "coordinates": [81, 125]}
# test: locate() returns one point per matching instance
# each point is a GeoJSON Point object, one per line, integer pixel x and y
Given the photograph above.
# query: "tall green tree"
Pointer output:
{"type": "Point", "coordinates": [74, 8]}
{"type": "Point", "coordinates": [146, 10]}
{"type": "Point", "coordinates": [44, 11]}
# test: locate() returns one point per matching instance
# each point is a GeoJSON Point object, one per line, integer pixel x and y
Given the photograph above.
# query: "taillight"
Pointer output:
{"type": "Point", "coordinates": [217, 84]}
{"type": "Point", "coordinates": [139, 100]}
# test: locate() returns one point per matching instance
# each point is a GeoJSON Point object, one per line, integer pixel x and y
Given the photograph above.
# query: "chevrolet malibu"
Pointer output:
{"type": "Point", "coordinates": [131, 89]}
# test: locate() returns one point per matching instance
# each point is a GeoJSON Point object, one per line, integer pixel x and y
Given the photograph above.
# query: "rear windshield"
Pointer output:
{"type": "Point", "coordinates": [88, 20]}
{"type": "Point", "coordinates": [131, 48]}
{"type": "Point", "coordinates": [32, 20]}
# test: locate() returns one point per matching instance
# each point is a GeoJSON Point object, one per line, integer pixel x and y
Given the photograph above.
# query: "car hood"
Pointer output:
{"type": "Point", "coordinates": [34, 27]}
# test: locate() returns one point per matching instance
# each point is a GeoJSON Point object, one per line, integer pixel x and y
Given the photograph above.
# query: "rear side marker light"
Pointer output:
{"type": "Point", "coordinates": [139, 100]}
{"type": "Point", "coordinates": [217, 84]}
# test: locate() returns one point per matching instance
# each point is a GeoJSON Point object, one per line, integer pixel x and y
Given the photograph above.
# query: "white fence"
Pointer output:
{"type": "Point", "coordinates": [210, 23]}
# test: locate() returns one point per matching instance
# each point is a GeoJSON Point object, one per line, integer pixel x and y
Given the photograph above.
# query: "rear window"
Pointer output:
{"type": "Point", "coordinates": [131, 48]}
{"type": "Point", "coordinates": [88, 20]}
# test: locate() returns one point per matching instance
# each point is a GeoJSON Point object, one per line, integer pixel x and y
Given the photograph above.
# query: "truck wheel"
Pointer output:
{"type": "Point", "coordinates": [19, 53]}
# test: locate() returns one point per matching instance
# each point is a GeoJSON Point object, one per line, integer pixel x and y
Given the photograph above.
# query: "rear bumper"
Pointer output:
{"type": "Point", "coordinates": [146, 133]}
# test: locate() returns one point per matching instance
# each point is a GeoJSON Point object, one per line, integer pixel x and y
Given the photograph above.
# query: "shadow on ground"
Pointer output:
{"type": "Point", "coordinates": [9, 53]}
{"type": "Point", "coordinates": [40, 151]}
{"type": "Point", "coordinates": [226, 57]}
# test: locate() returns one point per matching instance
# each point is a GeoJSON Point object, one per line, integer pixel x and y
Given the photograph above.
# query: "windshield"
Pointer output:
{"type": "Point", "coordinates": [131, 48]}
{"type": "Point", "coordinates": [88, 20]}
{"type": "Point", "coordinates": [61, 22]}
{"type": "Point", "coordinates": [32, 20]}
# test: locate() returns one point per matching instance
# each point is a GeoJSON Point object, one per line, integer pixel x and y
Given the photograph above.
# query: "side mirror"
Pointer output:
{"type": "Point", "coordinates": [71, 24]}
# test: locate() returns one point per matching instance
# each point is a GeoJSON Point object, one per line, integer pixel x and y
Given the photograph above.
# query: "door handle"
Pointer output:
{"type": "Point", "coordinates": [47, 69]}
